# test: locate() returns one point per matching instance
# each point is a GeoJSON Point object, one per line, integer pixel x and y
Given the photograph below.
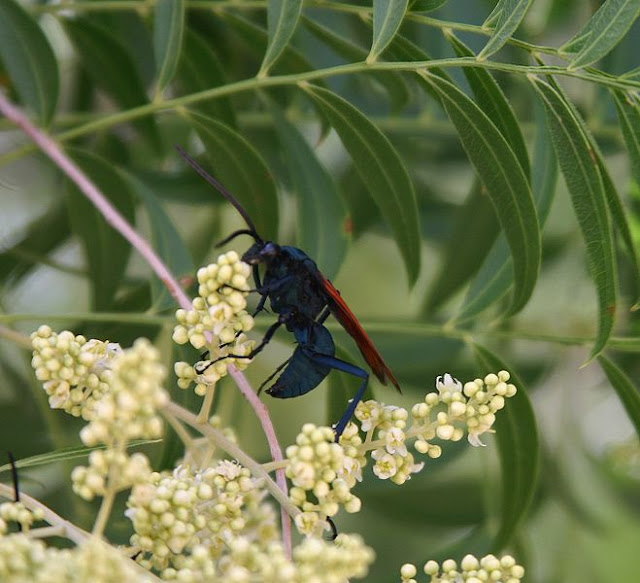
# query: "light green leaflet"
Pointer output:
{"type": "Point", "coordinates": [387, 18]}
{"type": "Point", "coordinates": [282, 20]}
{"type": "Point", "coordinates": [168, 30]}
{"type": "Point", "coordinates": [579, 165]}
{"type": "Point", "coordinates": [30, 62]}
{"type": "Point", "coordinates": [504, 181]}
{"type": "Point", "coordinates": [604, 31]}
{"type": "Point", "coordinates": [519, 450]}
{"type": "Point", "coordinates": [627, 392]}
{"type": "Point", "coordinates": [380, 168]}
{"type": "Point", "coordinates": [507, 16]}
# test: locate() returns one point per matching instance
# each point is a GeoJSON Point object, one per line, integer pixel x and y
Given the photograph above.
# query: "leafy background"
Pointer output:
{"type": "Point", "coordinates": [466, 172]}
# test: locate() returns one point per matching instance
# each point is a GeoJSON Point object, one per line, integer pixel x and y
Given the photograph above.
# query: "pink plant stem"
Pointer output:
{"type": "Point", "coordinates": [51, 148]}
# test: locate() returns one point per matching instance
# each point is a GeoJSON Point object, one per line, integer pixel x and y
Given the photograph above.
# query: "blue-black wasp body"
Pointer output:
{"type": "Point", "coordinates": [303, 298]}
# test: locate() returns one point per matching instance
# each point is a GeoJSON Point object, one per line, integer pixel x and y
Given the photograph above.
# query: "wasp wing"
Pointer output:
{"type": "Point", "coordinates": [350, 323]}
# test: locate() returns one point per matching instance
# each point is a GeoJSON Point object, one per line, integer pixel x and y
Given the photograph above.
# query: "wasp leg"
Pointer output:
{"type": "Point", "coordinates": [275, 372]}
{"type": "Point", "coordinates": [337, 364]}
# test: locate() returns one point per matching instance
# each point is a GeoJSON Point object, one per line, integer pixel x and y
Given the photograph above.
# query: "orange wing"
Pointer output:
{"type": "Point", "coordinates": [350, 323]}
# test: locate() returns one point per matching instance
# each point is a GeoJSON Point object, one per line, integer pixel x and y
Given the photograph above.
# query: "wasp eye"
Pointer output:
{"type": "Point", "coordinates": [270, 249]}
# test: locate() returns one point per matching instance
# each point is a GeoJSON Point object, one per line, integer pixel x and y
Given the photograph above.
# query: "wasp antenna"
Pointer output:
{"type": "Point", "coordinates": [235, 234]}
{"type": "Point", "coordinates": [223, 191]}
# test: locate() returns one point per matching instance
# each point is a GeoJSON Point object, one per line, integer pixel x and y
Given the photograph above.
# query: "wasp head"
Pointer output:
{"type": "Point", "coordinates": [261, 252]}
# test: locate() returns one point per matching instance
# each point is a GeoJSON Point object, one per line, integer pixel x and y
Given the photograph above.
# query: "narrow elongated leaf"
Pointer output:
{"type": "Point", "coordinates": [519, 447]}
{"type": "Point", "coordinates": [29, 60]}
{"type": "Point", "coordinates": [426, 5]}
{"type": "Point", "coordinates": [112, 69]}
{"type": "Point", "coordinates": [504, 181]}
{"type": "Point", "coordinates": [321, 212]}
{"type": "Point", "coordinates": [507, 17]}
{"type": "Point", "coordinates": [579, 166]}
{"type": "Point", "coordinates": [629, 116]}
{"type": "Point", "coordinates": [107, 252]}
{"type": "Point", "coordinates": [282, 20]}
{"type": "Point", "coordinates": [475, 221]}
{"type": "Point", "coordinates": [496, 274]}
{"type": "Point", "coordinates": [381, 169]}
{"type": "Point", "coordinates": [167, 243]}
{"type": "Point", "coordinates": [604, 31]}
{"type": "Point", "coordinates": [387, 18]}
{"type": "Point", "coordinates": [241, 169]}
{"type": "Point", "coordinates": [392, 82]}
{"type": "Point", "coordinates": [627, 392]}
{"type": "Point", "coordinates": [492, 101]}
{"type": "Point", "coordinates": [168, 29]}
{"type": "Point", "coordinates": [200, 69]}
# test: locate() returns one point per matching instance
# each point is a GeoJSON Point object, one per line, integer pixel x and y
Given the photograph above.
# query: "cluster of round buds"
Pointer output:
{"type": "Point", "coordinates": [446, 415]}
{"type": "Point", "coordinates": [18, 513]}
{"type": "Point", "coordinates": [109, 468]}
{"type": "Point", "coordinates": [347, 557]}
{"type": "Point", "coordinates": [315, 466]}
{"type": "Point", "coordinates": [130, 409]}
{"type": "Point", "coordinates": [471, 570]}
{"type": "Point", "coordinates": [178, 516]}
{"type": "Point", "coordinates": [217, 322]}
{"type": "Point", "coordinates": [75, 372]}
{"type": "Point", "coordinates": [23, 558]}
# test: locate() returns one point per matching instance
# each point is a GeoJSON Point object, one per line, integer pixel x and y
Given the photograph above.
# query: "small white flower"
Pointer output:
{"type": "Point", "coordinates": [448, 384]}
{"type": "Point", "coordinates": [385, 466]}
{"type": "Point", "coordinates": [394, 439]}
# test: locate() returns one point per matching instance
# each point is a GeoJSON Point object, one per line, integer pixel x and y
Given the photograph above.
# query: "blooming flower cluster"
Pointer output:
{"type": "Point", "coordinates": [471, 570]}
{"type": "Point", "coordinates": [217, 322]}
{"type": "Point", "coordinates": [184, 520]}
{"type": "Point", "coordinates": [315, 468]}
{"type": "Point", "coordinates": [75, 372]}
{"type": "Point", "coordinates": [129, 410]}
{"type": "Point", "coordinates": [445, 415]}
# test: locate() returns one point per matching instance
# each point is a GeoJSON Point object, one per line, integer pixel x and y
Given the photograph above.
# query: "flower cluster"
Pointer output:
{"type": "Point", "coordinates": [26, 559]}
{"type": "Point", "coordinates": [184, 520]}
{"type": "Point", "coordinates": [445, 415]}
{"type": "Point", "coordinates": [75, 372]}
{"type": "Point", "coordinates": [471, 570]}
{"type": "Point", "coordinates": [129, 410]}
{"type": "Point", "coordinates": [217, 322]}
{"type": "Point", "coordinates": [315, 468]}
{"type": "Point", "coordinates": [17, 512]}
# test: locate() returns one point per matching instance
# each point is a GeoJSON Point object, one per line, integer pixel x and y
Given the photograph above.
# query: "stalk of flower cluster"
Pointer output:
{"type": "Point", "coordinates": [51, 148]}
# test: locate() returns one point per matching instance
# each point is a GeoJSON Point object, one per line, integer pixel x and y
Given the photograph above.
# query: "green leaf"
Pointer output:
{"type": "Point", "coordinates": [387, 18]}
{"type": "Point", "coordinates": [603, 31]}
{"type": "Point", "coordinates": [241, 169]}
{"type": "Point", "coordinates": [627, 392]}
{"type": "Point", "coordinates": [426, 5]}
{"type": "Point", "coordinates": [475, 221]}
{"type": "Point", "coordinates": [507, 16]}
{"type": "Point", "coordinates": [629, 116]}
{"type": "Point", "coordinates": [107, 252]}
{"type": "Point", "coordinates": [200, 69]}
{"type": "Point", "coordinates": [381, 169]}
{"type": "Point", "coordinates": [29, 60]}
{"type": "Point", "coordinates": [519, 448]}
{"type": "Point", "coordinates": [492, 101]}
{"type": "Point", "coordinates": [282, 20]}
{"type": "Point", "coordinates": [579, 165]}
{"type": "Point", "coordinates": [496, 274]}
{"type": "Point", "coordinates": [168, 29]}
{"type": "Point", "coordinates": [321, 213]}
{"type": "Point", "coordinates": [111, 67]}
{"type": "Point", "coordinates": [504, 181]}
{"type": "Point", "coordinates": [167, 243]}
{"type": "Point", "coordinates": [392, 81]}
